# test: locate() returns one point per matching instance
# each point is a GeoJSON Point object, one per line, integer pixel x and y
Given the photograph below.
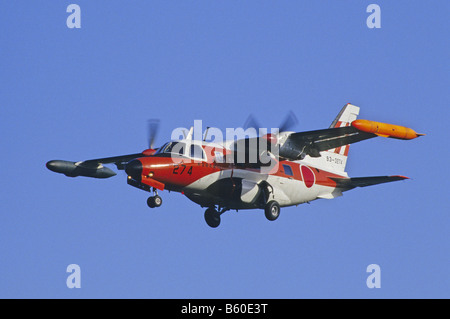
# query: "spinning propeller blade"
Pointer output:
{"type": "Point", "coordinates": [251, 122]}
{"type": "Point", "coordinates": [152, 131]}
{"type": "Point", "coordinates": [288, 124]}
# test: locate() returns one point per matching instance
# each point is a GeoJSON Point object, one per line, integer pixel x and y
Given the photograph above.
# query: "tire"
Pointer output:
{"type": "Point", "coordinates": [154, 201]}
{"type": "Point", "coordinates": [150, 202]}
{"type": "Point", "coordinates": [212, 217]}
{"type": "Point", "coordinates": [272, 210]}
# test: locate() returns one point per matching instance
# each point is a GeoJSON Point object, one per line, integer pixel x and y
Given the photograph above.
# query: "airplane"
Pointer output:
{"type": "Point", "coordinates": [278, 169]}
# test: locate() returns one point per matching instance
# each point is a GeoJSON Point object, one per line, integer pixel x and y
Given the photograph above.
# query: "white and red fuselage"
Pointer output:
{"type": "Point", "coordinates": [207, 180]}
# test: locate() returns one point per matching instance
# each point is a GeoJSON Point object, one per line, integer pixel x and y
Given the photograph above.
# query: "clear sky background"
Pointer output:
{"type": "Point", "coordinates": [77, 94]}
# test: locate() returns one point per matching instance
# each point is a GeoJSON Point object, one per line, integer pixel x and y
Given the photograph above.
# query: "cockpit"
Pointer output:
{"type": "Point", "coordinates": [181, 148]}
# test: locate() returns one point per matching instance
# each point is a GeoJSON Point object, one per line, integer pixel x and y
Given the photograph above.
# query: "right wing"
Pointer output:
{"type": "Point", "coordinates": [344, 130]}
{"type": "Point", "coordinates": [311, 143]}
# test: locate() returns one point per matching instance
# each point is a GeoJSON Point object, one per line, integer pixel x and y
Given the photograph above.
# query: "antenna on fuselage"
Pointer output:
{"type": "Point", "coordinates": [206, 133]}
{"type": "Point", "coordinates": [189, 134]}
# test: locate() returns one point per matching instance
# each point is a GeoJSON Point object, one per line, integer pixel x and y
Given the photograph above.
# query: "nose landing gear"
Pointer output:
{"type": "Point", "coordinates": [154, 201]}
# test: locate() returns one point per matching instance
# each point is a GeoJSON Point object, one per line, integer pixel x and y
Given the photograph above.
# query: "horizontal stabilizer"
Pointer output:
{"type": "Point", "coordinates": [349, 183]}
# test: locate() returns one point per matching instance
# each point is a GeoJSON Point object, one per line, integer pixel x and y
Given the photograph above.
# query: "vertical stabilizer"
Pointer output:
{"type": "Point", "coordinates": [336, 159]}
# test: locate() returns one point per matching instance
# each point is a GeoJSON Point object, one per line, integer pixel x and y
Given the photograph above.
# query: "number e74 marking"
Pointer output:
{"type": "Point", "coordinates": [178, 171]}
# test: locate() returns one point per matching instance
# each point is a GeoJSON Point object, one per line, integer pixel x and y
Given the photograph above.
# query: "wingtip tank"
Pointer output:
{"type": "Point", "coordinates": [386, 130]}
{"type": "Point", "coordinates": [72, 169]}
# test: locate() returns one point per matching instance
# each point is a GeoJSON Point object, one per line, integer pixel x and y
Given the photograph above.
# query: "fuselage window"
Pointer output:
{"type": "Point", "coordinates": [288, 170]}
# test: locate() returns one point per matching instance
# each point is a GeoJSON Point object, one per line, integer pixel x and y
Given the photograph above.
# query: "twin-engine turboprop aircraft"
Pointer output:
{"type": "Point", "coordinates": [268, 172]}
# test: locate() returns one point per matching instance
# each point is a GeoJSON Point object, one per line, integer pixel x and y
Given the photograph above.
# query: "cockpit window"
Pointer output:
{"type": "Point", "coordinates": [196, 151]}
{"type": "Point", "coordinates": [161, 149]}
{"type": "Point", "coordinates": [192, 150]}
{"type": "Point", "coordinates": [175, 147]}
{"type": "Point", "coordinates": [172, 147]}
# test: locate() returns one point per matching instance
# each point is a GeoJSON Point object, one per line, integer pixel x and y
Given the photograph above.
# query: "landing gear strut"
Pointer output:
{"type": "Point", "coordinates": [154, 201]}
{"type": "Point", "coordinates": [212, 216]}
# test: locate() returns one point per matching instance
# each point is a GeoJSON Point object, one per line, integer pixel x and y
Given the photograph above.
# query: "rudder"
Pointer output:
{"type": "Point", "coordinates": [337, 157]}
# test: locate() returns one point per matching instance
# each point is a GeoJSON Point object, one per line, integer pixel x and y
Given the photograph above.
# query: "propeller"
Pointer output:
{"type": "Point", "coordinates": [288, 123]}
{"type": "Point", "coordinates": [251, 122]}
{"type": "Point", "coordinates": [152, 131]}
{"type": "Point", "coordinates": [261, 151]}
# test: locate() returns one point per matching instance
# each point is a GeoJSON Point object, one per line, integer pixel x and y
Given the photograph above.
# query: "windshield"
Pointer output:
{"type": "Point", "coordinates": [180, 148]}
{"type": "Point", "coordinates": [172, 147]}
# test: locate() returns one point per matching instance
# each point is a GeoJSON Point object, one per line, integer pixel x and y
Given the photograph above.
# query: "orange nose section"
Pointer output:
{"type": "Point", "coordinates": [385, 129]}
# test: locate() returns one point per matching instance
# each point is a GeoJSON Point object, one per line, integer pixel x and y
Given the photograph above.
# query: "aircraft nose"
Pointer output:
{"type": "Point", "coordinates": [134, 169]}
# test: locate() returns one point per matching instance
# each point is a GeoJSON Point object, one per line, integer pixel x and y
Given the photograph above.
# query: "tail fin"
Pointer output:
{"type": "Point", "coordinates": [336, 158]}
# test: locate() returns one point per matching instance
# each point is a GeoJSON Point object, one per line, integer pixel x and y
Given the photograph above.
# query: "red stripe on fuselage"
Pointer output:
{"type": "Point", "coordinates": [321, 177]}
{"type": "Point", "coordinates": [179, 172]}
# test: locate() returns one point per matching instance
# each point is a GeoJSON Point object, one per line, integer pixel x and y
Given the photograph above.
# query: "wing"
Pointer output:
{"type": "Point", "coordinates": [298, 145]}
{"type": "Point", "coordinates": [119, 161]}
{"type": "Point", "coordinates": [91, 168]}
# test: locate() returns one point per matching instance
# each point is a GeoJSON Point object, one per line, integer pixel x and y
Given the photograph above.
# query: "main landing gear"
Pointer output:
{"type": "Point", "coordinates": [212, 216]}
{"type": "Point", "coordinates": [154, 201]}
{"type": "Point", "coordinates": [272, 210]}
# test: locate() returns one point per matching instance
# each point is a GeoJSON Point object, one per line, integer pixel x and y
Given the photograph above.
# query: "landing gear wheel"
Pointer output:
{"type": "Point", "coordinates": [212, 217]}
{"type": "Point", "coordinates": [150, 202]}
{"type": "Point", "coordinates": [154, 201]}
{"type": "Point", "coordinates": [272, 210]}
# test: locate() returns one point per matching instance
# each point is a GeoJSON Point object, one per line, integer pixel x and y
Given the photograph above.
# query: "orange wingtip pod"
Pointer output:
{"type": "Point", "coordinates": [385, 129]}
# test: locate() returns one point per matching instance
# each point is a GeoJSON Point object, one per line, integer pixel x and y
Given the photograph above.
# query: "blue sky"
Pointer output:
{"type": "Point", "coordinates": [77, 94]}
